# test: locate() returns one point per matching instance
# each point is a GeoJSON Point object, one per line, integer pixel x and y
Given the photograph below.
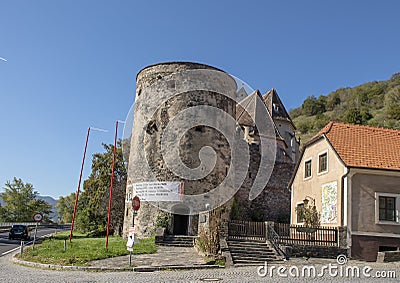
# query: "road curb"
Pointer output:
{"type": "Point", "coordinates": [16, 260]}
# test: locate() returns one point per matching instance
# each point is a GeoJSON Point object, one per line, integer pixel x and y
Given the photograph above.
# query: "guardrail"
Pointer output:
{"type": "Point", "coordinates": [9, 224]}
{"type": "Point", "coordinates": [6, 225]}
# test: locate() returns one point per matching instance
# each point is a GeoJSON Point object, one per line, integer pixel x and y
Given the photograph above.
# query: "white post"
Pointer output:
{"type": "Point", "coordinates": [34, 237]}
{"type": "Point", "coordinates": [21, 248]}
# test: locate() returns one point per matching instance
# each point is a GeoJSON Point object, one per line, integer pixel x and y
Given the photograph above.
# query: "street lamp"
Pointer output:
{"type": "Point", "coordinates": [80, 179]}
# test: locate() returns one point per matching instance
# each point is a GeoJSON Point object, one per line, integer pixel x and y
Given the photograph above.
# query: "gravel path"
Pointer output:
{"type": "Point", "coordinates": [10, 272]}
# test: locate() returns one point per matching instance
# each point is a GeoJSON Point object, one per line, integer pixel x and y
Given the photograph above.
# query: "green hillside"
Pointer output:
{"type": "Point", "coordinates": [375, 103]}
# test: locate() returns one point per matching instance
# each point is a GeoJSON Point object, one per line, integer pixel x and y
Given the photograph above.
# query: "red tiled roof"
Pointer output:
{"type": "Point", "coordinates": [364, 146]}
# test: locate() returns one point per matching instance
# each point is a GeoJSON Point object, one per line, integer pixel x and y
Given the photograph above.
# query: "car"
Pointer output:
{"type": "Point", "coordinates": [18, 231]}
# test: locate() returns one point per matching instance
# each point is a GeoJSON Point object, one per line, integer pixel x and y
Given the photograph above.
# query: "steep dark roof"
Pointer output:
{"type": "Point", "coordinates": [275, 106]}
{"type": "Point", "coordinates": [251, 107]}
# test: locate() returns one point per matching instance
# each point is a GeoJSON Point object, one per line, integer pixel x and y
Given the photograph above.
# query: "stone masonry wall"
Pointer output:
{"type": "Point", "coordinates": [273, 204]}
{"type": "Point", "coordinates": [161, 88]}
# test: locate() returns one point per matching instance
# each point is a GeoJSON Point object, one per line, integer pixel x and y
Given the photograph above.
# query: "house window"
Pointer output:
{"type": "Point", "coordinates": [387, 208]}
{"type": "Point", "coordinates": [307, 169]}
{"type": "Point", "coordinates": [323, 162]}
{"type": "Point", "coordinates": [300, 215]}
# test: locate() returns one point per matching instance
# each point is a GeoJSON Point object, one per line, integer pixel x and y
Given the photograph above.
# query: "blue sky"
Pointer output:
{"type": "Point", "coordinates": [72, 64]}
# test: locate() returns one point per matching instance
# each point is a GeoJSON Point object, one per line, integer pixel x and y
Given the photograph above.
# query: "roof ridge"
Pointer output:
{"type": "Point", "coordinates": [363, 126]}
{"type": "Point", "coordinates": [363, 146]}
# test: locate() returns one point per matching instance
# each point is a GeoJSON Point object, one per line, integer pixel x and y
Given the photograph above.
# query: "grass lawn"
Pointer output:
{"type": "Point", "coordinates": [83, 249]}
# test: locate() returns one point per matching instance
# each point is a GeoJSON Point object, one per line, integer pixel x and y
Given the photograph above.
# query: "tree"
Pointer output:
{"type": "Point", "coordinates": [333, 101]}
{"type": "Point", "coordinates": [65, 207]}
{"type": "Point", "coordinates": [355, 116]}
{"type": "Point", "coordinates": [320, 121]}
{"type": "Point", "coordinates": [392, 103]}
{"type": "Point", "coordinates": [312, 106]}
{"type": "Point", "coordinates": [21, 203]}
{"type": "Point", "coordinates": [93, 202]}
{"type": "Point", "coordinates": [308, 212]}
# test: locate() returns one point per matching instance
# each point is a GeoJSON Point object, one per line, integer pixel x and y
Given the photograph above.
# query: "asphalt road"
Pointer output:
{"type": "Point", "coordinates": [6, 245]}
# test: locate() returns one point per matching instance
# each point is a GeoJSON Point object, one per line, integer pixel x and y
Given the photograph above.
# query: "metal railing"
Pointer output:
{"type": "Point", "coordinates": [275, 241]}
{"type": "Point", "coordinates": [246, 229]}
{"type": "Point", "coordinates": [300, 235]}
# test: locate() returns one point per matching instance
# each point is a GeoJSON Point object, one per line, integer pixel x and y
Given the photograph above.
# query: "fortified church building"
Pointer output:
{"type": "Point", "coordinates": [272, 204]}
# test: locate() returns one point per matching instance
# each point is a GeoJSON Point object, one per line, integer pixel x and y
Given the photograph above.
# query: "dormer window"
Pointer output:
{"type": "Point", "coordinates": [276, 107]}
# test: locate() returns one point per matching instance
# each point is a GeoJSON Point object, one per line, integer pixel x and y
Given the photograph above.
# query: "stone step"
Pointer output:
{"type": "Point", "coordinates": [254, 257]}
{"type": "Point", "coordinates": [250, 262]}
{"type": "Point", "coordinates": [247, 252]}
{"type": "Point", "coordinates": [175, 244]}
{"type": "Point", "coordinates": [179, 237]}
{"type": "Point", "coordinates": [177, 241]}
{"type": "Point", "coordinates": [251, 249]}
{"type": "Point", "coordinates": [247, 243]}
{"type": "Point", "coordinates": [244, 254]}
{"type": "Point", "coordinates": [246, 239]}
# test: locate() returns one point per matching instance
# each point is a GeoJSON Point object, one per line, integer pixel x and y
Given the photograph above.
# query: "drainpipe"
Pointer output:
{"type": "Point", "coordinates": [346, 217]}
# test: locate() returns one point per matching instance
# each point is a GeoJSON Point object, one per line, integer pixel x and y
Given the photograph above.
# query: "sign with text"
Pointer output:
{"type": "Point", "coordinates": [159, 191]}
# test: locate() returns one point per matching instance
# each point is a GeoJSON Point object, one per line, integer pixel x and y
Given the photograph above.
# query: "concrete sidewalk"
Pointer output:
{"type": "Point", "coordinates": [166, 258]}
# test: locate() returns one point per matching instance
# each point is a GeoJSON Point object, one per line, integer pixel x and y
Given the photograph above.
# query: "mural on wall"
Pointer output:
{"type": "Point", "coordinates": [329, 203]}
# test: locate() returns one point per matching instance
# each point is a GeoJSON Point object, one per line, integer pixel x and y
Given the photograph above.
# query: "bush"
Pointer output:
{"type": "Point", "coordinates": [163, 221]}
{"type": "Point", "coordinates": [304, 127]}
{"type": "Point", "coordinates": [320, 121]}
{"type": "Point", "coordinates": [355, 116]}
{"type": "Point", "coordinates": [312, 106]}
{"type": "Point", "coordinates": [235, 212]}
{"type": "Point", "coordinates": [333, 101]}
{"type": "Point", "coordinates": [208, 242]}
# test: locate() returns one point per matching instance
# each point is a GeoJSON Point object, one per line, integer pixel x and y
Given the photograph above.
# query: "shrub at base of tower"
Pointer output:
{"type": "Point", "coordinates": [209, 236]}
{"type": "Point", "coordinates": [163, 221]}
{"type": "Point", "coordinates": [207, 242]}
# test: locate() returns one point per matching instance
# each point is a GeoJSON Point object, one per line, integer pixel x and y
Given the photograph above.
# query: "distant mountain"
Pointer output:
{"type": "Point", "coordinates": [53, 202]}
{"type": "Point", "coordinates": [374, 103]}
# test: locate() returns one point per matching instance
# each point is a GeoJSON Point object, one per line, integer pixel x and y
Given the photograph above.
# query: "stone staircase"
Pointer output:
{"type": "Point", "coordinates": [251, 252]}
{"type": "Point", "coordinates": [176, 241]}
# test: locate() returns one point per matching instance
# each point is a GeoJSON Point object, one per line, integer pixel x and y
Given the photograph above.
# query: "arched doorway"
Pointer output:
{"type": "Point", "coordinates": [181, 219]}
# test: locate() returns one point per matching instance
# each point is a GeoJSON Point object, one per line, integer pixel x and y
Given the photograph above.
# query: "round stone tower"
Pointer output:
{"type": "Point", "coordinates": [171, 142]}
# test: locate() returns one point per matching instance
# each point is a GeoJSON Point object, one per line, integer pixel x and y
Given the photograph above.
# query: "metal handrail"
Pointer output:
{"type": "Point", "coordinates": [274, 239]}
